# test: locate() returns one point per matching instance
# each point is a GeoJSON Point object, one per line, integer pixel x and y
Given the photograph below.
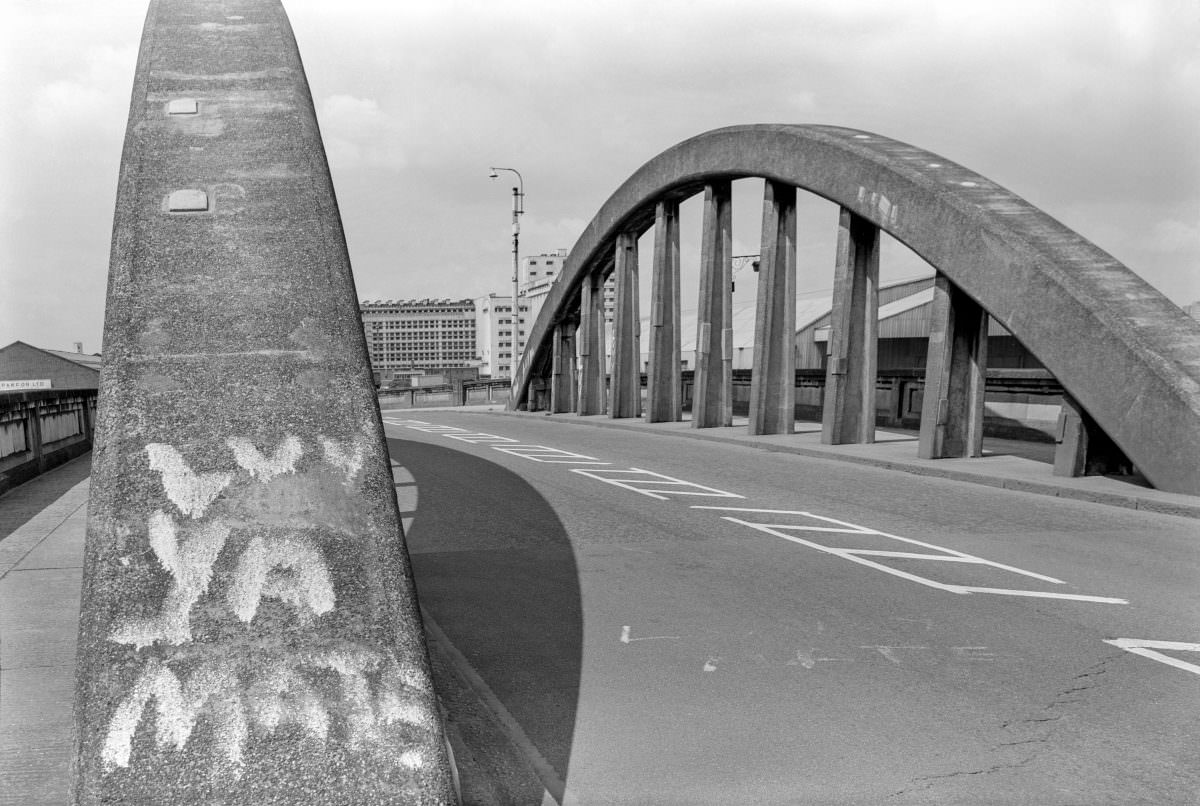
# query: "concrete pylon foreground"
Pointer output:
{"type": "Point", "coordinates": [955, 376]}
{"type": "Point", "coordinates": [627, 349]}
{"type": "Point", "coordinates": [249, 632]}
{"type": "Point", "coordinates": [712, 394]}
{"type": "Point", "coordinates": [849, 413]}
{"type": "Point", "coordinates": [664, 392]}
{"type": "Point", "coordinates": [773, 385]}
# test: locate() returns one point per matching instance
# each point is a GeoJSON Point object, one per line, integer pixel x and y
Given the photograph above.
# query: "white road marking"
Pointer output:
{"type": "Point", "coordinates": [625, 639]}
{"type": "Point", "coordinates": [548, 455]}
{"type": "Point", "coordinates": [1075, 597]}
{"type": "Point", "coordinates": [481, 438]}
{"type": "Point", "coordinates": [860, 555]}
{"type": "Point", "coordinates": [889, 652]}
{"type": "Point", "coordinates": [809, 659]}
{"type": "Point", "coordinates": [436, 429]}
{"type": "Point", "coordinates": [1147, 650]}
{"type": "Point", "coordinates": [639, 476]}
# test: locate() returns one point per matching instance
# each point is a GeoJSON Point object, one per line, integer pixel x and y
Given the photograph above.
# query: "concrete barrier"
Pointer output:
{"type": "Point", "coordinates": [40, 430]}
{"type": "Point", "coordinates": [249, 630]}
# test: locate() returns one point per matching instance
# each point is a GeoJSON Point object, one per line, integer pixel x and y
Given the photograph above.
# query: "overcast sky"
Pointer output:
{"type": "Point", "coordinates": [1089, 110]}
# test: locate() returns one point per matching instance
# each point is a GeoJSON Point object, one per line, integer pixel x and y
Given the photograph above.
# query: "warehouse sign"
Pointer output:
{"type": "Point", "coordinates": [19, 386]}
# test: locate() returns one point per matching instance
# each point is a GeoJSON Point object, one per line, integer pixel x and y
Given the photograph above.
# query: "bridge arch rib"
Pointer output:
{"type": "Point", "coordinates": [1125, 353]}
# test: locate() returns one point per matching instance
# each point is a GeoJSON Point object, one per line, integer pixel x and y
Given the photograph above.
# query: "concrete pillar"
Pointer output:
{"type": "Point", "coordinates": [849, 414]}
{"type": "Point", "coordinates": [712, 402]}
{"type": "Point", "coordinates": [627, 340]}
{"type": "Point", "coordinates": [1082, 448]}
{"type": "Point", "coordinates": [664, 393]}
{"type": "Point", "coordinates": [562, 388]}
{"type": "Point", "coordinates": [34, 434]}
{"type": "Point", "coordinates": [773, 384]}
{"type": "Point", "coordinates": [955, 376]}
{"type": "Point", "coordinates": [591, 346]}
{"type": "Point", "coordinates": [249, 630]}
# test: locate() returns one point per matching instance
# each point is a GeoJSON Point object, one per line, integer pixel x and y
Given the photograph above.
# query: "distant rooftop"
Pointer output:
{"type": "Point", "coordinates": [88, 360]}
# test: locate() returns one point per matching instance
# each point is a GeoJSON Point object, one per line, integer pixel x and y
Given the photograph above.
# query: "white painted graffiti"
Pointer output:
{"type": "Point", "coordinates": [191, 492]}
{"type": "Point", "coordinates": [373, 692]}
{"type": "Point", "coordinates": [189, 560]}
{"type": "Point", "coordinates": [276, 562]}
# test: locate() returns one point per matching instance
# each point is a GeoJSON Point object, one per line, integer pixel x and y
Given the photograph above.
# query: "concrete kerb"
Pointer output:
{"type": "Point", "coordinates": [1090, 489]}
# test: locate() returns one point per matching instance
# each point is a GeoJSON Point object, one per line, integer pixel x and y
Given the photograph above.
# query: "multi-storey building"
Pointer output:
{"type": "Point", "coordinates": [540, 273]}
{"type": "Point", "coordinates": [407, 337]}
{"type": "Point", "coordinates": [499, 338]}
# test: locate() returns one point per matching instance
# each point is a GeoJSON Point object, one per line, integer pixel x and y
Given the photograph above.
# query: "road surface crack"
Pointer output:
{"type": "Point", "coordinates": [927, 781]}
{"type": "Point", "coordinates": [1034, 733]}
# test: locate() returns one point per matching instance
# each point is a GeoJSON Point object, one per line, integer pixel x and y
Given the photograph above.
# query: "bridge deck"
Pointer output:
{"type": "Point", "coordinates": [41, 549]}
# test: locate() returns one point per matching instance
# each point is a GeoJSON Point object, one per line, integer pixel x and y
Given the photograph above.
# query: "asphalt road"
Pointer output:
{"type": "Point", "coordinates": [653, 619]}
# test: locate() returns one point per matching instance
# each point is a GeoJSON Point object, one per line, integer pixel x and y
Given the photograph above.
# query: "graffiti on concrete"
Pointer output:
{"type": "Point", "coordinates": [235, 542]}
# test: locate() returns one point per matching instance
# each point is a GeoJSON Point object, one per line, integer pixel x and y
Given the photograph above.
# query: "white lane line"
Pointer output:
{"type": "Point", "coordinates": [543, 453]}
{"type": "Point", "coordinates": [481, 438]}
{"type": "Point", "coordinates": [625, 639]}
{"type": "Point", "coordinates": [912, 555]}
{"type": "Point", "coordinates": [1147, 650]}
{"type": "Point", "coordinates": [437, 429]}
{"type": "Point", "coordinates": [852, 528]}
{"type": "Point", "coordinates": [1075, 597]}
{"type": "Point", "coordinates": [650, 477]}
{"type": "Point", "coordinates": [947, 555]}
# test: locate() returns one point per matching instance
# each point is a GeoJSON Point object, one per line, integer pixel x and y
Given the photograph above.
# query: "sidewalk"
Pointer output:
{"type": "Point", "coordinates": [42, 527]}
{"type": "Point", "coordinates": [893, 450]}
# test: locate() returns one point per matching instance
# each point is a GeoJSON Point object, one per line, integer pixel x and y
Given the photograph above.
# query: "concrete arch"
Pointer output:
{"type": "Point", "coordinates": [1129, 356]}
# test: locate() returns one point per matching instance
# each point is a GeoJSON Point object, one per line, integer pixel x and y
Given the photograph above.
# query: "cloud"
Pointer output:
{"type": "Point", "coordinates": [76, 104]}
{"type": "Point", "coordinates": [1173, 236]}
{"type": "Point", "coordinates": [360, 134]}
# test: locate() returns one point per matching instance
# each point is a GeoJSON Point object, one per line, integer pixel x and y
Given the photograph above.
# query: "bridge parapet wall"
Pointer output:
{"type": "Point", "coordinates": [40, 430]}
{"type": "Point", "coordinates": [249, 628]}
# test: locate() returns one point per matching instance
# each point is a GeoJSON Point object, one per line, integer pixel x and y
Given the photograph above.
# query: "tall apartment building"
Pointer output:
{"type": "Point", "coordinates": [500, 343]}
{"type": "Point", "coordinates": [497, 334]}
{"type": "Point", "coordinates": [407, 337]}
{"type": "Point", "coordinates": [538, 275]}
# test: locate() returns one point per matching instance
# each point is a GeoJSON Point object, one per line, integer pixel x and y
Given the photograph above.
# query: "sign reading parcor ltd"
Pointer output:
{"type": "Point", "coordinates": [14, 386]}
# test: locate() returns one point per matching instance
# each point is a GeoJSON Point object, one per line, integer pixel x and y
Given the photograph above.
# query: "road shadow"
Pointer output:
{"type": "Point", "coordinates": [496, 572]}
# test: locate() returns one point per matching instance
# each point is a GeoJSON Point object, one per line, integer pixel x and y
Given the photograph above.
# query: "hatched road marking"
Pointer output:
{"type": "Point", "coordinates": [1147, 650]}
{"type": "Point", "coordinates": [655, 485]}
{"type": "Point", "coordinates": [860, 555]}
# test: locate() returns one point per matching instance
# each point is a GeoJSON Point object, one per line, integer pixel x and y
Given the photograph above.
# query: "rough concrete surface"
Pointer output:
{"type": "Point", "coordinates": [249, 632]}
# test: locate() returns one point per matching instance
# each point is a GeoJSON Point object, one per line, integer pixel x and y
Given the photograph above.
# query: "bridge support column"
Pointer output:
{"type": "Point", "coordinates": [591, 346]}
{"type": "Point", "coordinates": [627, 339]}
{"type": "Point", "coordinates": [955, 376]}
{"type": "Point", "coordinates": [664, 393]}
{"type": "Point", "coordinates": [562, 385]}
{"type": "Point", "coordinates": [849, 415]}
{"type": "Point", "coordinates": [773, 384]}
{"type": "Point", "coordinates": [712, 395]}
{"type": "Point", "coordinates": [1082, 448]}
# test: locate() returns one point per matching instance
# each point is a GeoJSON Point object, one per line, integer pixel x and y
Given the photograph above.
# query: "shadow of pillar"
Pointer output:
{"type": "Point", "coordinates": [496, 571]}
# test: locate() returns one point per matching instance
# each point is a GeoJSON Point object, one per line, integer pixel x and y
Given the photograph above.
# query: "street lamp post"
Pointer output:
{"type": "Point", "coordinates": [518, 210]}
